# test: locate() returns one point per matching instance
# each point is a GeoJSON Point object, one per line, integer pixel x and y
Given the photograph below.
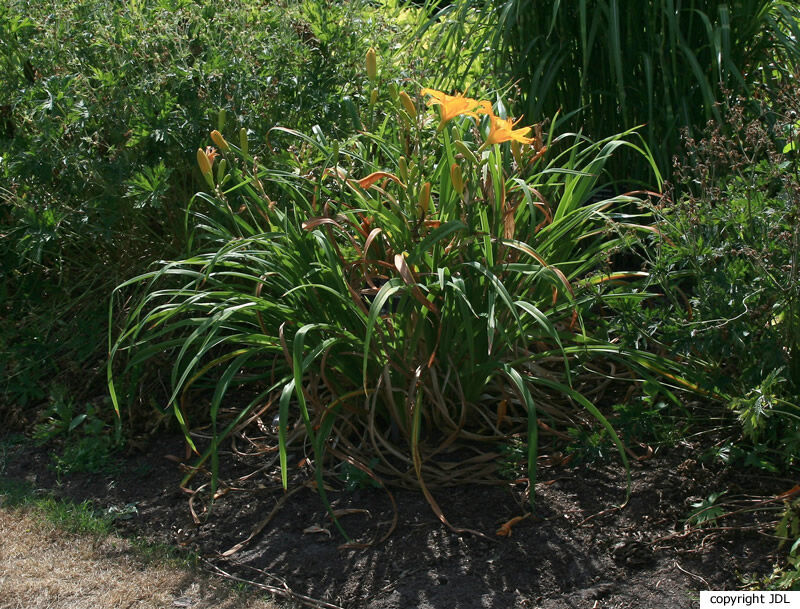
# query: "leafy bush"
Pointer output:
{"type": "Point", "coordinates": [785, 573]}
{"type": "Point", "coordinates": [99, 101]}
{"type": "Point", "coordinates": [788, 531]}
{"type": "Point", "coordinates": [727, 262]}
{"type": "Point", "coordinates": [401, 300]}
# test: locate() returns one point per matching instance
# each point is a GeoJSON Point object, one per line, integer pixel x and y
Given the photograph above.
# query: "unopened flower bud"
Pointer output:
{"type": "Point", "coordinates": [465, 151]}
{"type": "Point", "coordinates": [456, 178]}
{"type": "Point", "coordinates": [373, 97]}
{"type": "Point", "coordinates": [243, 144]}
{"type": "Point", "coordinates": [205, 159]}
{"type": "Point", "coordinates": [425, 197]}
{"type": "Point", "coordinates": [413, 171]}
{"type": "Point", "coordinates": [408, 104]}
{"type": "Point", "coordinates": [402, 169]}
{"type": "Point", "coordinates": [203, 162]}
{"type": "Point", "coordinates": [372, 65]}
{"type": "Point", "coordinates": [217, 138]}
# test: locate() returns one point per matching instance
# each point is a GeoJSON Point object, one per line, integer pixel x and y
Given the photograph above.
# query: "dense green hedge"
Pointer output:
{"type": "Point", "coordinates": [103, 107]}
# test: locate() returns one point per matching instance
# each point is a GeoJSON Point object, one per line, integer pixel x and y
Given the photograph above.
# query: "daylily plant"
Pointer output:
{"type": "Point", "coordinates": [423, 305]}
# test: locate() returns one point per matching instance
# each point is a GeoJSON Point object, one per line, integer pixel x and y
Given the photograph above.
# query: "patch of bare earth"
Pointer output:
{"type": "Point", "coordinates": [576, 552]}
{"type": "Point", "coordinates": [43, 567]}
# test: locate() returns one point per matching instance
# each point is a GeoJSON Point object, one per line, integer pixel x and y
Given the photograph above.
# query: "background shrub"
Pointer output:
{"type": "Point", "coordinates": [103, 106]}
{"type": "Point", "coordinates": [727, 259]}
{"type": "Point", "coordinates": [607, 65]}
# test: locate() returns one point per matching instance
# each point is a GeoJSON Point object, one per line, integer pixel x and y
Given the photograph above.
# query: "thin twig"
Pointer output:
{"type": "Point", "coordinates": [284, 592]}
{"type": "Point", "coordinates": [261, 525]}
{"type": "Point", "coordinates": [708, 586]}
{"type": "Point", "coordinates": [601, 513]}
{"type": "Point", "coordinates": [758, 528]}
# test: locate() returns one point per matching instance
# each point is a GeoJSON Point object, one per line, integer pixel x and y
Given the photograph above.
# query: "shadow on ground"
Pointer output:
{"type": "Point", "coordinates": [577, 552]}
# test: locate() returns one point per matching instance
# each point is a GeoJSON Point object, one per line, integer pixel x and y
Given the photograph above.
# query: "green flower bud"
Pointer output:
{"type": "Point", "coordinates": [372, 65]}
{"type": "Point", "coordinates": [243, 144]}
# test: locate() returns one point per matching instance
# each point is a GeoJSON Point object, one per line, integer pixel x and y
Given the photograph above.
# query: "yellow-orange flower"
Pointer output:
{"type": "Point", "coordinates": [502, 130]}
{"type": "Point", "coordinates": [456, 105]}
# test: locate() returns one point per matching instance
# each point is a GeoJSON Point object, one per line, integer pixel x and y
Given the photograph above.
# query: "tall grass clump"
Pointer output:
{"type": "Point", "coordinates": [97, 103]}
{"type": "Point", "coordinates": [401, 300]}
{"type": "Point", "coordinates": [662, 64]}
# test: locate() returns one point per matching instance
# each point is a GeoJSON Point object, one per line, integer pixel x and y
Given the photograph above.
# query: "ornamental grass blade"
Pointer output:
{"type": "Point", "coordinates": [387, 290]}
{"type": "Point", "coordinates": [533, 428]}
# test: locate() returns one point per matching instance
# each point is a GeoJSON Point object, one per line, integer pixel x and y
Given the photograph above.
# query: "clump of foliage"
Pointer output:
{"type": "Point", "coordinates": [727, 258]}
{"type": "Point", "coordinates": [402, 300]}
{"type": "Point", "coordinates": [788, 531]}
{"type": "Point", "coordinates": [81, 440]}
{"type": "Point", "coordinates": [98, 102]}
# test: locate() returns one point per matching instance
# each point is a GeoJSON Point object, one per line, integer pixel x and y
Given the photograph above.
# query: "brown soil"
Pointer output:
{"type": "Point", "coordinates": [577, 551]}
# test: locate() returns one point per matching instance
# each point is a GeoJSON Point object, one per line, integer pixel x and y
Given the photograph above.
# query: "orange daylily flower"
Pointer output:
{"type": "Point", "coordinates": [502, 130]}
{"type": "Point", "coordinates": [456, 105]}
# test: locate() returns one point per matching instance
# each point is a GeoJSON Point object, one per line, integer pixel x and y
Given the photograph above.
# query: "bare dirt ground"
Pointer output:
{"type": "Point", "coordinates": [577, 551]}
